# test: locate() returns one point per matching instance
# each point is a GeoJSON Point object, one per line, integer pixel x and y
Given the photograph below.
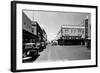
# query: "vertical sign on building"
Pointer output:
{"type": "Point", "coordinates": [86, 28]}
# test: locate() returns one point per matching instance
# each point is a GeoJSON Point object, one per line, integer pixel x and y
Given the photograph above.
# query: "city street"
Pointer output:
{"type": "Point", "coordinates": [74, 31]}
{"type": "Point", "coordinates": [55, 53]}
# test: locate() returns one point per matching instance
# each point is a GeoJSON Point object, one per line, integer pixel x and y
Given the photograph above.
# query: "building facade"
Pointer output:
{"type": "Point", "coordinates": [32, 34]}
{"type": "Point", "coordinates": [74, 34]}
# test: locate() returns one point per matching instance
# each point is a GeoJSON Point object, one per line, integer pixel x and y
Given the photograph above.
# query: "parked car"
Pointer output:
{"type": "Point", "coordinates": [29, 50]}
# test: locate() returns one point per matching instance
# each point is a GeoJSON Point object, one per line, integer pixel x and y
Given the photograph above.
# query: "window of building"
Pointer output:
{"type": "Point", "coordinates": [74, 30]}
{"type": "Point", "coordinates": [32, 29]}
{"type": "Point", "coordinates": [71, 30]}
{"type": "Point", "coordinates": [66, 30]}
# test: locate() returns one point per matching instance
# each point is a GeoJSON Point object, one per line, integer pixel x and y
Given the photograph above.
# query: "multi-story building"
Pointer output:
{"type": "Point", "coordinates": [32, 34]}
{"type": "Point", "coordinates": [74, 34]}
{"type": "Point", "coordinates": [32, 30]}
{"type": "Point", "coordinates": [70, 33]}
{"type": "Point", "coordinates": [41, 34]}
{"type": "Point", "coordinates": [44, 35]}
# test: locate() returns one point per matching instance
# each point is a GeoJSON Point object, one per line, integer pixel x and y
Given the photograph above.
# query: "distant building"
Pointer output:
{"type": "Point", "coordinates": [44, 35]}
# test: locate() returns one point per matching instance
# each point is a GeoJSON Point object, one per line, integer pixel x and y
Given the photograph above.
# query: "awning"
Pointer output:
{"type": "Point", "coordinates": [27, 34]}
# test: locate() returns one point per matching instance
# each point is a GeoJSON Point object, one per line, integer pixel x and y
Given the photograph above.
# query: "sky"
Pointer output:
{"type": "Point", "coordinates": [51, 21]}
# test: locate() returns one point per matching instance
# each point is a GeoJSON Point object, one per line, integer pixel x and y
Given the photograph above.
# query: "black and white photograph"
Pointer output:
{"type": "Point", "coordinates": [55, 36]}
{"type": "Point", "coordinates": [47, 36]}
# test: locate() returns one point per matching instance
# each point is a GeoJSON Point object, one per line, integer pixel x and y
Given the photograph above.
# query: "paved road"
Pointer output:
{"type": "Point", "coordinates": [55, 53]}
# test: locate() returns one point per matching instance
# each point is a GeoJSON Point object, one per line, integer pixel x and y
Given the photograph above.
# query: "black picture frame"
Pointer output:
{"type": "Point", "coordinates": [14, 37]}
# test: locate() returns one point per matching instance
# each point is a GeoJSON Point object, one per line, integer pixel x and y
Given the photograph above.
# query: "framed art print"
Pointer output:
{"type": "Point", "coordinates": [47, 36]}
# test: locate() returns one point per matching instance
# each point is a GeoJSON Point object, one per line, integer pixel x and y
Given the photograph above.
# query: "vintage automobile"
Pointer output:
{"type": "Point", "coordinates": [29, 50]}
{"type": "Point", "coordinates": [41, 46]}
